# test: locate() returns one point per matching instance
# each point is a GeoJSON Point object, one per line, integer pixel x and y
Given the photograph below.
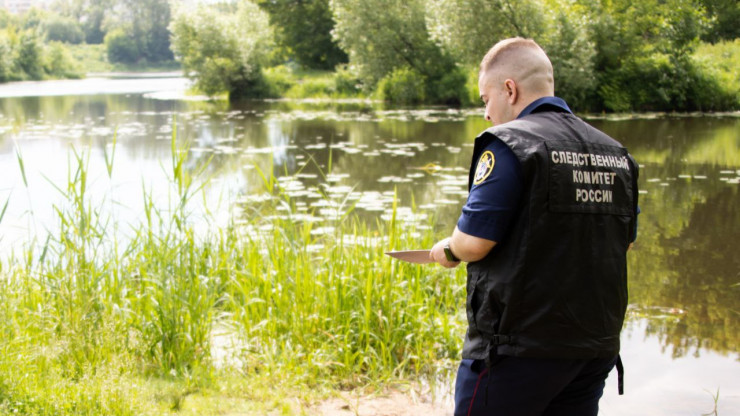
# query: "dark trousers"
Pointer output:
{"type": "Point", "coordinates": [531, 387]}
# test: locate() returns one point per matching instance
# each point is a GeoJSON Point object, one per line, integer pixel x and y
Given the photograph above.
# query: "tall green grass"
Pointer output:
{"type": "Point", "coordinates": [93, 320]}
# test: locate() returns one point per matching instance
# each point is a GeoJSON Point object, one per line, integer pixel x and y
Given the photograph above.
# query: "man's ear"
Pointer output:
{"type": "Point", "coordinates": [510, 88]}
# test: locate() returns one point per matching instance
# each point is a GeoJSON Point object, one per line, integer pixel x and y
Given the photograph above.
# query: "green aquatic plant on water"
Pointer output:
{"type": "Point", "coordinates": [97, 314]}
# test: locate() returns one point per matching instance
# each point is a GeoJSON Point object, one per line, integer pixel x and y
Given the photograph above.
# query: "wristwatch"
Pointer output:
{"type": "Point", "coordinates": [448, 253]}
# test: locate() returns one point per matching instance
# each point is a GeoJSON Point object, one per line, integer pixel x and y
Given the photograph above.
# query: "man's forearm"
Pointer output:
{"type": "Point", "coordinates": [469, 248]}
{"type": "Point", "coordinates": [463, 246]}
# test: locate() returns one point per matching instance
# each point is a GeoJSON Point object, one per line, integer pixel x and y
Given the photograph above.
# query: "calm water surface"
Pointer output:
{"type": "Point", "coordinates": [680, 345]}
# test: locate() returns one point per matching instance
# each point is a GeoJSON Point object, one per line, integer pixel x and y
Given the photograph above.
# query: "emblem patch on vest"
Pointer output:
{"type": "Point", "coordinates": [589, 178]}
{"type": "Point", "coordinates": [485, 167]}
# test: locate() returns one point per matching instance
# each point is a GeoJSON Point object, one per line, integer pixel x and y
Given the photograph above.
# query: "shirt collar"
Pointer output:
{"type": "Point", "coordinates": [550, 101]}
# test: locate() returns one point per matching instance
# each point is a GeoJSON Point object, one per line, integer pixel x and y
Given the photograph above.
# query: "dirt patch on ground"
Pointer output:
{"type": "Point", "coordinates": [392, 403]}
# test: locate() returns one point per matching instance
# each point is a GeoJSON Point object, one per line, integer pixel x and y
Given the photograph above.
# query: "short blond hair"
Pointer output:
{"type": "Point", "coordinates": [502, 49]}
{"type": "Point", "coordinates": [522, 60]}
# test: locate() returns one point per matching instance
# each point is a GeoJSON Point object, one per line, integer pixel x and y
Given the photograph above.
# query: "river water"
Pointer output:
{"type": "Point", "coordinates": [680, 344]}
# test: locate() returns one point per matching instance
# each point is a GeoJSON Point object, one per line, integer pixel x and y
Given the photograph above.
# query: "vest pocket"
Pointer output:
{"type": "Point", "coordinates": [478, 306]}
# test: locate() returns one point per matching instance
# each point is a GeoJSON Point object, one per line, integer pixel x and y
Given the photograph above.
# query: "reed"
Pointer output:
{"type": "Point", "coordinates": [94, 316]}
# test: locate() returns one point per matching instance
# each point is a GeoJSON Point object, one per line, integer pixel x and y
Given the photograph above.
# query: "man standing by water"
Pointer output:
{"type": "Point", "coordinates": [551, 213]}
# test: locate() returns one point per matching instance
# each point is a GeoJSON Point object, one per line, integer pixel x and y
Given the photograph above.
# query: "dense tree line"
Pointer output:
{"type": "Point", "coordinates": [613, 55]}
{"type": "Point", "coordinates": [34, 45]}
{"type": "Point", "coordinates": [608, 55]}
{"type": "Point", "coordinates": [25, 53]}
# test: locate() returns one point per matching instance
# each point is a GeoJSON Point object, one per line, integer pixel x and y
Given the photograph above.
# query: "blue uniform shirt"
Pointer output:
{"type": "Point", "coordinates": [497, 188]}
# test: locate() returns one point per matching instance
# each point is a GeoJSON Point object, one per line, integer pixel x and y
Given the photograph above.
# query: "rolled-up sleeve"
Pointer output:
{"type": "Point", "coordinates": [494, 196]}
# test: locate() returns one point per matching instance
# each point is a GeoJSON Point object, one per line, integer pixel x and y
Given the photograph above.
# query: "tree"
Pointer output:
{"type": "Point", "coordinates": [304, 27]}
{"type": "Point", "coordinates": [63, 29]}
{"type": "Point", "coordinates": [571, 52]}
{"type": "Point", "coordinates": [382, 36]}
{"type": "Point", "coordinates": [643, 52]}
{"type": "Point", "coordinates": [90, 14]}
{"type": "Point", "coordinates": [6, 59]}
{"type": "Point", "coordinates": [121, 47]}
{"type": "Point", "coordinates": [145, 22]}
{"type": "Point", "coordinates": [468, 28]}
{"type": "Point", "coordinates": [724, 16]}
{"type": "Point", "coordinates": [224, 51]}
{"type": "Point", "coordinates": [29, 55]}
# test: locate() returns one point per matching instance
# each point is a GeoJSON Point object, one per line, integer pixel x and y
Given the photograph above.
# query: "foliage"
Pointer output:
{"type": "Point", "coordinates": [572, 54]}
{"type": "Point", "coordinates": [29, 55]}
{"type": "Point", "coordinates": [58, 62]}
{"type": "Point", "coordinates": [145, 22]}
{"type": "Point", "coordinates": [25, 56]}
{"type": "Point", "coordinates": [95, 309]}
{"type": "Point", "coordinates": [404, 85]}
{"type": "Point", "coordinates": [615, 55]}
{"type": "Point", "coordinates": [304, 29]}
{"type": "Point", "coordinates": [381, 37]}
{"type": "Point", "coordinates": [346, 82]}
{"type": "Point", "coordinates": [90, 14]}
{"type": "Point", "coordinates": [224, 52]}
{"type": "Point", "coordinates": [468, 28]}
{"type": "Point", "coordinates": [719, 66]}
{"type": "Point", "coordinates": [618, 55]}
{"type": "Point", "coordinates": [6, 59]}
{"type": "Point", "coordinates": [644, 57]}
{"type": "Point", "coordinates": [723, 17]}
{"type": "Point", "coordinates": [63, 29]}
{"type": "Point", "coordinates": [121, 47]}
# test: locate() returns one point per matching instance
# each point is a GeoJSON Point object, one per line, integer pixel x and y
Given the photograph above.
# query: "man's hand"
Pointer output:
{"type": "Point", "coordinates": [437, 253]}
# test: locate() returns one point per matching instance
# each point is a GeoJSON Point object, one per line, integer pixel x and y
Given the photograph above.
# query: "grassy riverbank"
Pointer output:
{"type": "Point", "coordinates": [94, 59]}
{"type": "Point", "coordinates": [716, 86]}
{"type": "Point", "coordinates": [270, 312]}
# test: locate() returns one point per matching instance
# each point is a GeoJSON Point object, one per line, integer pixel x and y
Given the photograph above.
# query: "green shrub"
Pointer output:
{"type": "Point", "coordinates": [471, 86]}
{"type": "Point", "coordinates": [720, 64]}
{"type": "Point", "coordinates": [279, 80]}
{"type": "Point", "coordinates": [346, 81]}
{"type": "Point", "coordinates": [403, 86]}
{"type": "Point", "coordinates": [63, 29]}
{"type": "Point", "coordinates": [58, 63]}
{"type": "Point", "coordinates": [121, 47]}
{"type": "Point", "coordinates": [255, 86]}
{"type": "Point", "coordinates": [312, 87]}
{"type": "Point", "coordinates": [28, 58]}
{"type": "Point", "coordinates": [6, 60]}
{"type": "Point", "coordinates": [662, 82]}
{"type": "Point", "coordinates": [450, 89]}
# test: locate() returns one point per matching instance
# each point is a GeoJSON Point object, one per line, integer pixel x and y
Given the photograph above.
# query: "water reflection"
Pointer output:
{"type": "Point", "coordinates": [332, 157]}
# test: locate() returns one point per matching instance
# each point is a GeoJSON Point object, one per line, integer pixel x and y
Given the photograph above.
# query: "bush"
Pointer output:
{"type": "Point", "coordinates": [666, 83]}
{"type": "Point", "coordinates": [29, 54]}
{"type": "Point", "coordinates": [451, 89]}
{"type": "Point", "coordinates": [346, 81]}
{"type": "Point", "coordinates": [58, 62]}
{"type": "Point", "coordinates": [720, 63]}
{"type": "Point", "coordinates": [279, 80]}
{"type": "Point", "coordinates": [651, 83]}
{"type": "Point", "coordinates": [6, 60]}
{"type": "Point", "coordinates": [471, 87]}
{"type": "Point", "coordinates": [121, 47]}
{"type": "Point", "coordinates": [403, 86]}
{"type": "Point", "coordinates": [63, 29]}
{"type": "Point", "coordinates": [312, 87]}
{"type": "Point", "coordinates": [224, 51]}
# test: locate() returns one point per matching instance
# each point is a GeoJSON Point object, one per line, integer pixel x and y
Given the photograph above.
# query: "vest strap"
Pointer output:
{"type": "Point", "coordinates": [491, 352]}
{"type": "Point", "coordinates": [620, 375]}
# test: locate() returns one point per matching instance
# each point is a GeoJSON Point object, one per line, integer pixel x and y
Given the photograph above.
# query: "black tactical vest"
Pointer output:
{"type": "Point", "coordinates": [556, 286]}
